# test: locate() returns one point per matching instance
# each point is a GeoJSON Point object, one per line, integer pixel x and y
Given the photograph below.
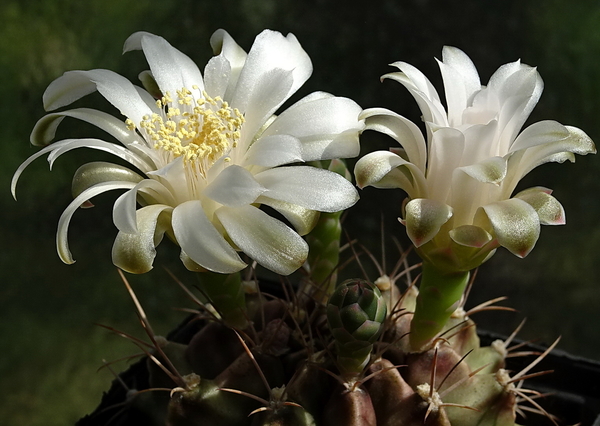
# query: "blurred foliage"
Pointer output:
{"type": "Point", "coordinates": [52, 347]}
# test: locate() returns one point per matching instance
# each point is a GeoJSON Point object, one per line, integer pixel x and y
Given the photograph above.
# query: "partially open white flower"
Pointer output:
{"type": "Point", "coordinates": [460, 183]}
{"type": "Point", "coordinates": [207, 151]}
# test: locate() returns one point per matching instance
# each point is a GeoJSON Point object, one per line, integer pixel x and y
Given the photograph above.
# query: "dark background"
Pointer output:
{"type": "Point", "coordinates": [51, 349]}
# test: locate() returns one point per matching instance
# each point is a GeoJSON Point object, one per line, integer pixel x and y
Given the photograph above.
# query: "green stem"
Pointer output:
{"type": "Point", "coordinates": [226, 294]}
{"type": "Point", "coordinates": [439, 293]}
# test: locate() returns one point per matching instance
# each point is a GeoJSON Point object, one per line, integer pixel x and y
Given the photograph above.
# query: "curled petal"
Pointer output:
{"type": "Point", "coordinates": [265, 239]}
{"type": "Point", "coordinates": [96, 172]}
{"type": "Point", "coordinates": [550, 211]}
{"type": "Point", "coordinates": [201, 241]}
{"type": "Point", "coordinates": [135, 252]}
{"type": "Point", "coordinates": [424, 218]}
{"type": "Point", "coordinates": [124, 209]}
{"type": "Point", "coordinates": [62, 244]}
{"type": "Point", "coordinates": [302, 219]}
{"type": "Point", "coordinates": [374, 167]}
{"type": "Point", "coordinates": [516, 225]}
{"type": "Point", "coordinates": [404, 131]}
{"type": "Point", "coordinates": [234, 186]}
{"type": "Point", "coordinates": [470, 236]}
{"type": "Point", "coordinates": [490, 170]}
{"type": "Point", "coordinates": [45, 129]}
{"type": "Point", "coordinates": [309, 187]}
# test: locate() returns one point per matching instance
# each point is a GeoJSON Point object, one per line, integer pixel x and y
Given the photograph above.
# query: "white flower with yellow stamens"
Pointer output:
{"type": "Point", "coordinates": [207, 151]}
{"type": "Point", "coordinates": [460, 183]}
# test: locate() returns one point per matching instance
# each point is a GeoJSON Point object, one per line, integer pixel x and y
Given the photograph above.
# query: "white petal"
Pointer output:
{"type": "Point", "coordinates": [490, 170]}
{"type": "Point", "coordinates": [119, 91]}
{"type": "Point", "coordinates": [404, 131]}
{"type": "Point", "coordinates": [302, 219]}
{"type": "Point", "coordinates": [515, 223]}
{"type": "Point", "coordinates": [124, 216]}
{"type": "Point", "coordinates": [309, 187]}
{"type": "Point", "coordinates": [273, 151]}
{"type": "Point", "coordinates": [171, 69]}
{"type": "Point", "coordinates": [216, 76]}
{"type": "Point", "coordinates": [201, 241]}
{"type": "Point", "coordinates": [62, 245]}
{"type": "Point", "coordinates": [540, 133]}
{"type": "Point", "coordinates": [234, 186]}
{"type": "Point", "coordinates": [265, 239]}
{"type": "Point", "coordinates": [45, 129]}
{"type": "Point", "coordinates": [375, 167]}
{"type": "Point", "coordinates": [135, 252]}
{"type": "Point", "coordinates": [424, 218]}
{"type": "Point", "coordinates": [461, 81]}
{"type": "Point", "coordinates": [271, 51]}
{"type": "Point", "coordinates": [445, 154]}
{"type": "Point", "coordinates": [224, 45]}
{"type": "Point", "coordinates": [69, 144]}
{"type": "Point", "coordinates": [327, 126]}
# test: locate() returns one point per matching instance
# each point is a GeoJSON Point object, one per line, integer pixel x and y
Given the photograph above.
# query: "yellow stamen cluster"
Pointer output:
{"type": "Point", "coordinates": [201, 131]}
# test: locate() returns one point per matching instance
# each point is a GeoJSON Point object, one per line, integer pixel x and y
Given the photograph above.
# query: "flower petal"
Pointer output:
{"type": "Point", "coordinates": [224, 45]}
{"type": "Point", "coordinates": [265, 239]}
{"type": "Point", "coordinates": [374, 167]}
{"type": "Point", "coordinates": [45, 129]}
{"type": "Point", "coordinates": [550, 211]}
{"type": "Point", "coordinates": [302, 219]}
{"type": "Point", "coordinates": [516, 225]}
{"type": "Point", "coordinates": [201, 241]}
{"type": "Point", "coordinates": [216, 76]}
{"type": "Point", "coordinates": [135, 252]}
{"type": "Point", "coordinates": [62, 244]}
{"type": "Point", "coordinates": [540, 133]}
{"type": "Point", "coordinates": [461, 82]}
{"type": "Point", "coordinates": [309, 187]}
{"type": "Point", "coordinates": [171, 69]}
{"type": "Point", "coordinates": [234, 186]}
{"type": "Point", "coordinates": [273, 151]}
{"type": "Point", "coordinates": [96, 172]}
{"type": "Point", "coordinates": [424, 218]}
{"type": "Point", "coordinates": [404, 131]}
{"type": "Point", "coordinates": [124, 209]}
{"type": "Point", "coordinates": [470, 236]}
{"type": "Point", "coordinates": [327, 126]}
{"type": "Point", "coordinates": [271, 51]}
{"type": "Point", "coordinates": [490, 170]}
{"type": "Point", "coordinates": [119, 91]}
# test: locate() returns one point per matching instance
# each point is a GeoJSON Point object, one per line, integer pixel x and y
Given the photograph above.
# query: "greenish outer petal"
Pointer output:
{"type": "Point", "coordinates": [374, 168]}
{"type": "Point", "coordinates": [265, 239]}
{"type": "Point", "coordinates": [149, 83]}
{"type": "Point", "coordinates": [302, 219]}
{"type": "Point", "coordinates": [490, 170]}
{"type": "Point", "coordinates": [548, 208]}
{"type": "Point", "coordinates": [424, 218]}
{"type": "Point", "coordinates": [470, 236]}
{"type": "Point", "coordinates": [135, 253]}
{"type": "Point", "coordinates": [95, 172]}
{"type": "Point", "coordinates": [516, 224]}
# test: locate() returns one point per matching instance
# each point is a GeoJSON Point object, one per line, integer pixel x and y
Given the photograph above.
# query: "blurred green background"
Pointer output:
{"type": "Point", "coordinates": [51, 347]}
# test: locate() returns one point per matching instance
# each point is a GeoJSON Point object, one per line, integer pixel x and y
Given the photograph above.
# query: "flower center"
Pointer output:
{"type": "Point", "coordinates": [201, 131]}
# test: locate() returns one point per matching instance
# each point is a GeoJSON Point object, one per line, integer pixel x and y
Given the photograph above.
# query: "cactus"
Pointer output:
{"type": "Point", "coordinates": [299, 362]}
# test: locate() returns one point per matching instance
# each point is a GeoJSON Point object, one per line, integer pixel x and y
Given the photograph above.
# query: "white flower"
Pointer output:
{"type": "Point", "coordinates": [208, 153]}
{"type": "Point", "coordinates": [459, 184]}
